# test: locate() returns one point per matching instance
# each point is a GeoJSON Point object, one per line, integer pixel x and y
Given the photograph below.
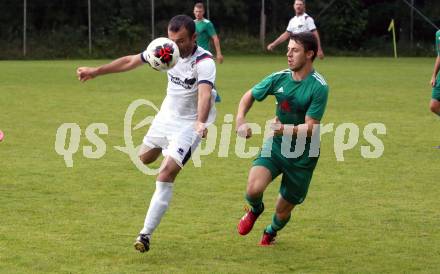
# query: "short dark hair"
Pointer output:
{"type": "Point", "coordinates": [199, 5]}
{"type": "Point", "coordinates": [307, 40]}
{"type": "Point", "coordinates": [179, 21]}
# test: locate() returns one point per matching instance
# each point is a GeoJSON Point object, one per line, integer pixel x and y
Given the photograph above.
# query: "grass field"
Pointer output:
{"type": "Point", "coordinates": [361, 215]}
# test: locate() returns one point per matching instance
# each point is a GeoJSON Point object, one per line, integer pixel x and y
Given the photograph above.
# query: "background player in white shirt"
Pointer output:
{"type": "Point", "coordinates": [300, 23]}
{"type": "Point", "coordinates": [186, 111]}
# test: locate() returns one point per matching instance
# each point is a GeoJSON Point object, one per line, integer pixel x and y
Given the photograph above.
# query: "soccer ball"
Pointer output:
{"type": "Point", "coordinates": [162, 54]}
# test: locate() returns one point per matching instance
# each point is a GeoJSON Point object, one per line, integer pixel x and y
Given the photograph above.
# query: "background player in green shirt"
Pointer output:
{"type": "Point", "coordinates": [435, 80]}
{"type": "Point", "coordinates": [205, 32]}
{"type": "Point", "coordinates": [301, 95]}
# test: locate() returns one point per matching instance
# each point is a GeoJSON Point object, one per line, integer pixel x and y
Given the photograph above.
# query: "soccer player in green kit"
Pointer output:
{"type": "Point", "coordinates": [205, 32]}
{"type": "Point", "coordinates": [435, 80]}
{"type": "Point", "coordinates": [301, 95]}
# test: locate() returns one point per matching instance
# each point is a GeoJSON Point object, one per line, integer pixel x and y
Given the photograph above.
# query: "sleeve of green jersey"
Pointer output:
{"type": "Point", "coordinates": [210, 30]}
{"type": "Point", "coordinates": [264, 88]}
{"type": "Point", "coordinates": [318, 104]}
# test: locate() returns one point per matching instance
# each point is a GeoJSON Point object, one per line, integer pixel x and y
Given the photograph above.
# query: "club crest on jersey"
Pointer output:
{"type": "Point", "coordinates": [285, 106]}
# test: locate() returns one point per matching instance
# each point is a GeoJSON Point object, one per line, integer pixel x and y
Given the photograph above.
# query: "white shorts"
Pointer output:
{"type": "Point", "coordinates": [177, 138]}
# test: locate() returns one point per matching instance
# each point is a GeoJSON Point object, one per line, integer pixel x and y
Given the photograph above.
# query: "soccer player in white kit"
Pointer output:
{"type": "Point", "coordinates": [186, 111]}
{"type": "Point", "coordinates": [301, 22]}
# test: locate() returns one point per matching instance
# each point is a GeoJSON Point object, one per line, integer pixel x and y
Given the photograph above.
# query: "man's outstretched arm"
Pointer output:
{"type": "Point", "coordinates": [122, 64]}
{"type": "Point", "coordinates": [283, 37]}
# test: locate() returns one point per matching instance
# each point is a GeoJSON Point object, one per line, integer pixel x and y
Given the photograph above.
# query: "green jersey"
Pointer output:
{"type": "Point", "coordinates": [295, 100]}
{"type": "Point", "coordinates": [437, 42]}
{"type": "Point", "coordinates": [205, 31]}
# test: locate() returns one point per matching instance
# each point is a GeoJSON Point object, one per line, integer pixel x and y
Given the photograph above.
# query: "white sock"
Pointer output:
{"type": "Point", "coordinates": [158, 206]}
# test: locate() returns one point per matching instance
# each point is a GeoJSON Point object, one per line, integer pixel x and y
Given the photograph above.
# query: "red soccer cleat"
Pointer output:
{"type": "Point", "coordinates": [247, 222]}
{"type": "Point", "coordinates": [267, 239]}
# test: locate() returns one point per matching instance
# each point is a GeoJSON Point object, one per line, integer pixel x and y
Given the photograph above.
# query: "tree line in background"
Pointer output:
{"type": "Point", "coordinates": [59, 29]}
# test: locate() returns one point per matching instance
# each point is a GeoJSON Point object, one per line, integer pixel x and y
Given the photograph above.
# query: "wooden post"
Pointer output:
{"type": "Point", "coordinates": [411, 31]}
{"type": "Point", "coordinates": [262, 25]}
{"type": "Point", "coordinates": [152, 20]}
{"type": "Point", "coordinates": [90, 26]}
{"type": "Point", "coordinates": [207, 9]}
{"type": "Point", "coordinates": [24, 26]}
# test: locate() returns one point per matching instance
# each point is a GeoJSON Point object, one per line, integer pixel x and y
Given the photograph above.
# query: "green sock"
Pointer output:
{"type": "Point", "coordinates": [256, 204]}
{"type": "Point", "coordinates": [276, 224]}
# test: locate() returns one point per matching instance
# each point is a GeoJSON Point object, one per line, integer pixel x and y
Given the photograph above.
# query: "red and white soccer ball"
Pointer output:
{"type": "Point", "coordinates": [162, 54]}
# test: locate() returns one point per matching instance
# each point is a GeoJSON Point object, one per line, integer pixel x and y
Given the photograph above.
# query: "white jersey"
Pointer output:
{"type": "Point", "coordinates": [301, 23]}
{"type": "Point", "coordinates": [182, 91]}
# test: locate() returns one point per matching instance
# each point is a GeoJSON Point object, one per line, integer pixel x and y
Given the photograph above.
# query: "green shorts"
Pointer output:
{"type": "Point", "coordinates": [436, 89]}
{"type": "Point", "coordinates": [295, 181]}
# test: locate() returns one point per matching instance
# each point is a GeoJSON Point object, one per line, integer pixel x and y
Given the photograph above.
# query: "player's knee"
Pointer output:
{"type": "Point", "coordinates": [167, 174]}
{"type": "Point", "coordinates": [259, 178]}
{"type": "Point", "coordinates": [253, 189]}
{"type": "Point", "coordinates": [166, 177]}
{"type": "Point", "coordinates": [434, 106]}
